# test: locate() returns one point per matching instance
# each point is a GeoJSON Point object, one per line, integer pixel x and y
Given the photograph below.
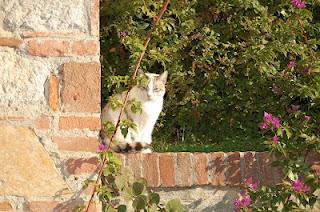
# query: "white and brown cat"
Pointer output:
{"type": "Point", "coordinates": [151, 97]}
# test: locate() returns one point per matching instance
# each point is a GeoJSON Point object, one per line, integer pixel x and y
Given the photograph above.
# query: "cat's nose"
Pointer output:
{"type": "Point", "coordinates": [149, 95]}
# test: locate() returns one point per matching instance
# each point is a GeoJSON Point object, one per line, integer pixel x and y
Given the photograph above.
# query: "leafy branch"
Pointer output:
{"type": "Point", "coordinates": [149, 36]}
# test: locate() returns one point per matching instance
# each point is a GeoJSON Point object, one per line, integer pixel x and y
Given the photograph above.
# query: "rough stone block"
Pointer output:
{"type": "Point", "coordinates": [81, 92]}
{"type": "Point", "coordinates": [5, 206]}
{"type": "Point", "coordinates": [38, 15]}
{"type": "Point", "coordinates": [26, 166]}
{"type": "Point", "coordinates": [22, 83]}
{"type": "Point", "coordinates": [55, 206]}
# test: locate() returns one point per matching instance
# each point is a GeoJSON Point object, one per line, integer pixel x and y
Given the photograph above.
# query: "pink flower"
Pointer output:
{"type": "Point", "coordinates": [263, 126]}
{"type": "Point", "coordinates": [267, 117]}
{"type": "Point", "coordinates": [275, 122]}
{"type": "Point", "coordinates": [307, 118]}
{"type": "Point", "coordinates": [237, 205]}
{"type": "Point", "coordinates": [275, 139]}
{"type": "Point", "coordinates": [102, 147]}
{"type": "Point", "coordinates": [291, 63]}
{"type": "Point", "coordinates": [298, 4]}
{"type": "Point", "coordinates": [249, 182]}
{"type": "Point", "coordinates": [298, 186]}
{"type": "Point", "coordinates": [246, 201]}
{"type": "Point", "coordinates": [306, 189]}
{"type": "Point", "coordinates": [242, 202]}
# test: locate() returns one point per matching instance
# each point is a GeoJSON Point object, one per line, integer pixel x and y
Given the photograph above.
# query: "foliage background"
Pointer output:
{"type": "Point", "coordinates": [227, 64]}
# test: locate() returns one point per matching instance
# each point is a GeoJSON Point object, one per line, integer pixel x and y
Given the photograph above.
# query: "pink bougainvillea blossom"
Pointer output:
{"type": "Point", "coordinates": [275, 139]}
{"type": "Point", "coordinates": [291, 63]}
{"type": "Point", "coordinates": [269, 120]}
{"type": "Point", "coordinates": [249, 182]}
{"type": "Point", "coordinates": [263, 126]}
{"type": "Point", "coordinates": [102, 147]}
{"type": "Point", "coordinates": [267, 117]}
{"type": "Point", "coordinates": [275, 122]}
{"type": "Point", "coordinates": [299, 186]}
{"type": "Point", "coordinates": [298, 4]}
{"type": "Point", "coordinates": [242, 202]}
{"type": "Point", "coordinates": [307, 118]}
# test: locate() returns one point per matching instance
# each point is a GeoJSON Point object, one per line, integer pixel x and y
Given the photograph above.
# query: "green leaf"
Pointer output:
{"type": "Point", "coordinates": [174, 206]}
{"type": "Point", "coordinates": [139, 202]}
{"type": "Point", "coordinates": [137, 188]}
{"type": "Point", "coordinates": [109, 127]}
{"type": "Point", "coordinates": [154, 198]}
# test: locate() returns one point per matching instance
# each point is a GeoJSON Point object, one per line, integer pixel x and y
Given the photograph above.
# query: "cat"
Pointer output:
{"type": "Point", "coordinates": [151, 96]}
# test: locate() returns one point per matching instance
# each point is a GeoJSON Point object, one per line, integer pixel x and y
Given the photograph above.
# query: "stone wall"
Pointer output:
{"type": "Point", "coordinates": [49, 101]}
{"type": "Point", "coordinates": [50, 120]}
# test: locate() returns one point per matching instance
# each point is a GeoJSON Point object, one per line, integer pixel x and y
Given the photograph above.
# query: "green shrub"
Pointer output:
{"type": "Point", "coordinates": [228, 62]}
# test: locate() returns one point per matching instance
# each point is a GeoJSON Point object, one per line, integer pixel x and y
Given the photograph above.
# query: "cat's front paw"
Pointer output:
{"type": "Point", "coordinates": [146, 151]}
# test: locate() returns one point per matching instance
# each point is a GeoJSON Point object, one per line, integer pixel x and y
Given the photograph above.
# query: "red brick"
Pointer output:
{"type": "Point", "coordinates": [81, 92]}
{"type": "Point", "coordinates": [42, 122]}
{"type": "Point", "coordinates": [89, 47]}
{"type": "Point", "coordinates": [53, 92]}
{"type": "Point", "coordinates": [5, 206]}
{"type": "Point", "coordinates": [201, 168]}
{"type": "Point", "coordinates": [233, 169]}
{"type": "Point", "coordinates": [134, 163]}
{"type": "Point", "coordinates": [151, 169]}
{"type": "Point", "coordinates": [73, 122]}
{"type": "Point", "coordinates": [48, 47]}
{"type": "Point", "coordinates": [167, 171]}
{"type": "Point", "coordinates": [218, 170]}
{"type": "Point", "coordinates": [12, 42]}
{"type": "Point", "coordinates": [78, 166]}
{"type": "Point", "coordinates": [41, 206]}
{"type": "Point", "coordinates": [251, 167]}
{"type": "Point", "coordinates": [184, 169]}
{"type": "Point", "coordinates": [89, 144]}
{"type": "Point", "coordinates": [94, 19]}
{"type": "Point", "coordinates": [65, 47]}
{"type": "Point", "coordinates": [265, 169]}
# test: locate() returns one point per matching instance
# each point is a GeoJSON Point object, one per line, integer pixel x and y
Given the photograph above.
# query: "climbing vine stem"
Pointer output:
{"type": "Point", "coordinates": [149, 36]}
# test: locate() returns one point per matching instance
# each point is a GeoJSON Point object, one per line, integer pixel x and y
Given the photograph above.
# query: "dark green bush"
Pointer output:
{"type": "Point", "coordinates": [227, 62]}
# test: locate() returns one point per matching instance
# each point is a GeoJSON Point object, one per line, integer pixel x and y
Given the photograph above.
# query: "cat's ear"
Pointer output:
{"type": "Point", "coordinates": [140, 72]}
{"type": "Point", "coordinates": [163, 77]}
